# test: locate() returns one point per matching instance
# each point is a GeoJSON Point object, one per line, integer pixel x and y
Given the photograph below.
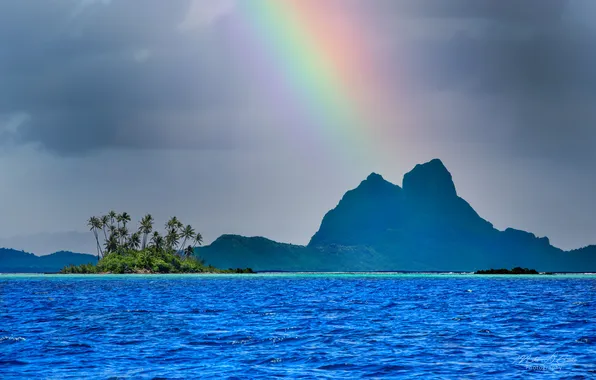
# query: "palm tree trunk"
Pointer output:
{"type": "Point", "coordinates": [183, 242]}
{"type": "Point", "coordinates": [99, 252]}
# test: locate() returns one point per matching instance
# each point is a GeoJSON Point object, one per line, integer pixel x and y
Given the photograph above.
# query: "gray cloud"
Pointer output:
{"type": "Point", "coordinates": [503, 10]}
{"type": "Point", "coordinates": [532, 61]}
{"type": "Point", "coordinates": [88, 77]}
{"type": "Point", "coordinates": [99, 74]}
{"type": "Point", "coordinates": [166, 92]}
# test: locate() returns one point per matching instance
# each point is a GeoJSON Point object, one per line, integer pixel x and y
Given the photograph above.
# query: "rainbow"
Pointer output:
{"type": "Point", "coordinates": [315, 55]}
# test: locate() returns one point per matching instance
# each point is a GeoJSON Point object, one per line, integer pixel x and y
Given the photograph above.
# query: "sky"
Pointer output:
{"type": "Point", "coordinates": [254, 117]}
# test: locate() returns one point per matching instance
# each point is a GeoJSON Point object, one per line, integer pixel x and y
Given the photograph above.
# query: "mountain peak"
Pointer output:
{"type": "Point", "coordinates": [431, 179]}
{"type": "Point", "coordinates": [375, 177]}
{"type": "Point", "coordinates": [375, 183]}
{"type": "Point", "coordinates": [423, 227]}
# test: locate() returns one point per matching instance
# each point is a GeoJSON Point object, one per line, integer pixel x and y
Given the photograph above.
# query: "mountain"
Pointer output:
{"type": "Point", "coordinates": [12, 261]}
{"type": "Point", "coordinates": [233, 251]}
{"type": "Point", "coordinates": [261, 254]}
{"type": "Point", "coordinates": [46, 243]}
{"type": "Point", "coordinates": [422, 226]}
{"type": "Point", "coordinates": [589, 250]}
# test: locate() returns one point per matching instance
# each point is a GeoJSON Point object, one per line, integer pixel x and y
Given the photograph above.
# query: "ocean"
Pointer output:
{"type": "Point", "coordinates": [298, 326]}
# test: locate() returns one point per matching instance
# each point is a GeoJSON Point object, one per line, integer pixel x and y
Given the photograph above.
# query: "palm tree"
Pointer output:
{"type": "Point", "coordinates": [94, 224]}
{"type": "Point", "coordinates": [117, 236]}
{"type": "Point", "coordinates": [100, 227]}
{"type": "Point", "coordinates": [111, 244]}
{"type": "Point", "coordinates": [157, 241]}
{"type": "Point", "coordinates": [173, 224]}
{"type": "Point", "coordinates": [154, 238]}
{"type": "Point", "coordinates": [124, 218]}
{"type": "Point", "coordinates": [105, 222]}
{"type": "Point", "coordinates": [112, 215]}
{"type": "Point", "coordinates": [172, 238]}
{"type": "Point", "coordinates": [146, 228]}
{"type": "Point", "coordinates": [119, 219]}
{"type": "Point", "coordinates": [135, 241]}
{"type": "Point", "coordinates": [198, 239]}
{"type": "Point", "coordinates": [187, 233]}
{"type": "Point", "coordinates": [123, 234]}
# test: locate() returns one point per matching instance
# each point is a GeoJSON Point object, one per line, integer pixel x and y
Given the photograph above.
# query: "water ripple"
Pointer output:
{"type": "Point", "coordinates": [310, 326]}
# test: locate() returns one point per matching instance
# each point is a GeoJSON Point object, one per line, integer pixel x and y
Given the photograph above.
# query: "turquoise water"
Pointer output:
{"type": "Point", "coordinates": [300, 325]}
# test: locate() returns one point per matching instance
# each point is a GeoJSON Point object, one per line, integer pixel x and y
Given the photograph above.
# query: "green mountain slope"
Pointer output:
{"type": "Point", "coordinates": [424, 226]}
{"type": "Point", "coordinates": [12, 261]}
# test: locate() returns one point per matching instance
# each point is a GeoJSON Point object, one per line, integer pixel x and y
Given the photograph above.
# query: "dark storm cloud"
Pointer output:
{"type": "Point", "coordinates": [495, 46]}
{"type": "Point", "coordinates": [558, 58]}
{"type": "Point", "coordinates": [97, 74]}
{"type": "Point", "coordinates": [88, 76]}
{"type": "Point", "coordinates": [532, 60]}
{"type": "Point", "coordinates": [503, 10]}
{"type": "Point", "coordinates": [501, 90]}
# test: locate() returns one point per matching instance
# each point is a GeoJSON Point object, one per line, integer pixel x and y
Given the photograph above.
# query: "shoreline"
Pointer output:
{"type": "Point", "coordinates": [309, 274]}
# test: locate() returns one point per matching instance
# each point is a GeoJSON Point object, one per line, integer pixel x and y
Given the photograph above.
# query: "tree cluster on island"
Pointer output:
{"type": "Point", "coordinates": [516, 270]}
{"type": "Point", "coordinates": [145, 250]}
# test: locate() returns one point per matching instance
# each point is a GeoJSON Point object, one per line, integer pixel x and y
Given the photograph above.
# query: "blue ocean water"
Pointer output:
{"type": "Point", "coordinates": [327, 326]}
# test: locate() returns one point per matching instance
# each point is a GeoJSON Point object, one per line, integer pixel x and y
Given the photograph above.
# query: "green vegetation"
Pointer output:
{"type": "Point", "coordinates": [147, 261]}
{"type": "Point", "coordinates": [146, 250]}
{"type": "Point", "coordinates": [516, 270]}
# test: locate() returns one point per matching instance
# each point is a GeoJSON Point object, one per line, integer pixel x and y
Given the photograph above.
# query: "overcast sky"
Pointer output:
{"type": "Point", "coordinates": [154, 106]}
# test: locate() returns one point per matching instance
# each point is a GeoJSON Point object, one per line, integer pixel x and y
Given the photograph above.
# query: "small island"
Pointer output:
{"type": "Point", "coordinates": [516, 270]}
{"type": "Point", "coordinates": [145, 251]}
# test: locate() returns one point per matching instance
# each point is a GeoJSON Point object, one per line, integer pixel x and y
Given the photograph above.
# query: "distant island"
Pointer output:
{"type": "Point", "coordinates": [13, 261]}
{"type": "Point", "coordinates": [144, 251]}
{"type": "Point", "coordinates": [420, 226]}
{"type": "Point", "coordinates": [516, 270]}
